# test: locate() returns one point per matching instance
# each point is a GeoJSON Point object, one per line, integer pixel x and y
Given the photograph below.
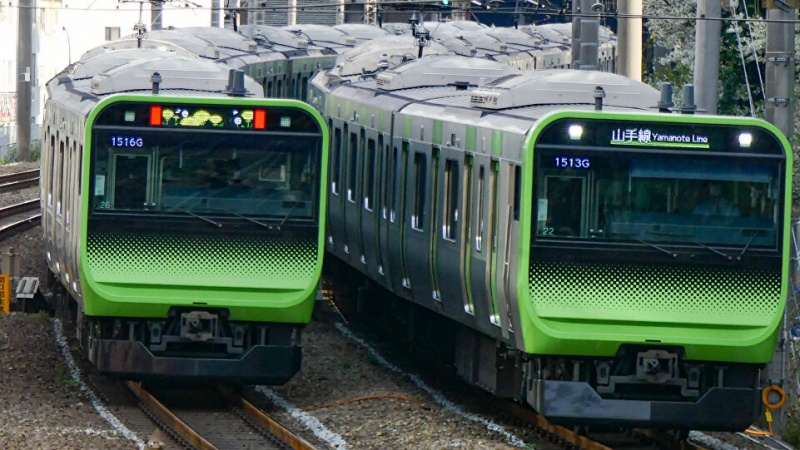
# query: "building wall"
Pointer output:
{"type": "Point", "coordinates": [62, 31]}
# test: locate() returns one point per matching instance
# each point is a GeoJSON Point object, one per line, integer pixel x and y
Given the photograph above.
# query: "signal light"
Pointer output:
{"type": "Point", "coordinates": [155, 116]}
{"type": "Point", "coordinates": [260, 119]}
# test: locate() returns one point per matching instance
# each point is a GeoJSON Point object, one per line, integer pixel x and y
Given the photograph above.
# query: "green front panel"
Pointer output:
{"type": "Point", "coordinates": [263, 278]}
{"type": "Point", "coordinates": [589, 309]}
{"type": "Point", "coordinates": [719, 313]}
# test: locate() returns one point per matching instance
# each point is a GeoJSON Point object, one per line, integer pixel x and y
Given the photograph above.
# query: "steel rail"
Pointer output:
{"type": "Point", "coordinates": [185, 431]}
{"type": "Point", "coordinates": [26, 175]}
{"type": "Point", "coordinates": [17, 208]}
{"type": "Point", "coordinates": [262, 419]}
{"type": "Point", "coordinates": [20, 225]}
{"type": "Point", "coordinates": [19, 185]}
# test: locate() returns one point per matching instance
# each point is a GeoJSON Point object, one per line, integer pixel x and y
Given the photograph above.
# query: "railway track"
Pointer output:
{"type": "Point", "coordinates": [216, 418]}
{"type": "Point", "coordinates": [19, 217]}
{"type": "Point", "coordinates": [19, 180]}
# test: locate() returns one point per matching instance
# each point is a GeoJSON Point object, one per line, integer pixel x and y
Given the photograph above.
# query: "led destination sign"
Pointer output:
{"type": "Point", "coordinates": [648, 137]}
{"type": "Point", "coordinates": [209, 116]}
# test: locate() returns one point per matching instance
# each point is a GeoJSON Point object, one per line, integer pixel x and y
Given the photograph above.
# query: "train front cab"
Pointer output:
{"type": "Point", "coordinates": [203, 236]}
{"type": "Point", "coordinates": [640, 304]}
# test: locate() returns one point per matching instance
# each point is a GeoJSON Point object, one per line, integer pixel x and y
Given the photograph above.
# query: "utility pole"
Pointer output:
{"type": "Point", "coordinates": [706, 61]}
{"type": "Point", "coordinates": [576, 34]}
{"type": "Point", "coordinates": [590, 29]}
{"type": "Point", "coordinates": [779, 108]}
{"type": "Point", "coordinates": [24, 79]}
{"type": "Point", "coordinates": [156, 9]}
{"type": "Point", "coordinates": [216, 6]}
{"type": "Point", "coordinates": [630, 39]}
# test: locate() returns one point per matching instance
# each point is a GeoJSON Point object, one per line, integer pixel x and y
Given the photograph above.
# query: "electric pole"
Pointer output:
{"type": "Point", "coordinates": [156, 9]}
{"type": "Point", "coordinates": [576, 34]}
{"type": "Point", "coordinates": [779, 108]}
{"type": "Point", "coordinates": [706, 61]}
{"type": "Point", "coordinates": [216, 6]}
{"type": "Point", "coordinates": [24, 79]}
{"type": "Point", "coordinates": [630, 39]}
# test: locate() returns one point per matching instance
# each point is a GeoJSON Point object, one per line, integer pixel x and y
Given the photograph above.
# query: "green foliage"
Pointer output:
{"type": "Point", "coordinates": [63, 376]}
{"type": "Point", "coordinates": [11, 156]}
{"type": "Point", "coordinates": [792, 433]}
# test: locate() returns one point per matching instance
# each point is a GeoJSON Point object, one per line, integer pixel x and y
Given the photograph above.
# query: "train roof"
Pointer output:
{"type": "Point", "coordinates": [223, 38]}
{"type": "Point", "coordinates": [194, 44]}
{"type": "Point", "coordinates": [180, 75]}
{"type": "Point", "coordinates": [270, 36]}
{"type": "Point", "coordinates": [395, 49]}
{"type": "Point", "coordinates": [485, 44]}
{"type": "Point", "coordinates": [322, 35]}
{"type": "Point", "coordinates": [507, 99]}
{"type": "Point", "coordinates": [362, 32]}
{"type": "Point", "coordinates": [135, 44]}
{"type": "Point", "coordinates": [102, 62]}
{"type": "Point", "coordinates": [514, 38]}
{"type": "Point", "coordinates": [564, 87]}
{"type": "Point", "coordinates": [442, 71]}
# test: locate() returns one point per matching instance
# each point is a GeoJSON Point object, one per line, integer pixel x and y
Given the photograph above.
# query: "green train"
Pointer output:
{"type": "Point", "coordinates": [183, 221]}
{"type": "Point", "coordinates": [571, 247]}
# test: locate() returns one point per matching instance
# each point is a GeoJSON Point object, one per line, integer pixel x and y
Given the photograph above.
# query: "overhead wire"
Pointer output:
{"type": "Point", "coordinates": [744, 65]}
{"type": "Point", "coordinates": [755, 54]}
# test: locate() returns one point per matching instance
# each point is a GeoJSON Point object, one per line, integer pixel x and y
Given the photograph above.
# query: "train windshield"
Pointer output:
{"type": "Point", "coordinates": [657, 198]}
{"type": "Point", "coordinates": [197, 172]}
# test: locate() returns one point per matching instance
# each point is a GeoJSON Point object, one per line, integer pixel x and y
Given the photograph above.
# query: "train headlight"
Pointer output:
{"type": "Point", "coordinates": [745, 139]}
{"type": "Point", "coordinates": [286, 121]}
{"type": "Point", "coordinates": [575, 132]}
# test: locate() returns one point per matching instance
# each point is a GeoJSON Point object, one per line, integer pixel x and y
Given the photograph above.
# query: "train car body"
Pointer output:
{"type": "Point", "coordinates": [565, 251]}
{"type": "Point", "coordinates": [183, 227]}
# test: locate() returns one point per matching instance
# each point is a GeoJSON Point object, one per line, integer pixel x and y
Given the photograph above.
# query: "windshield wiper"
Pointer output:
{"type": "Point", "coordinates": [250, 219]}
{"type": "Point", "coordinates": [725, 255]}
{"type": "Point", "coordinates": [216, 224]}
{"type": "Point", "coordinates": [291, 210]}
{"type": "Point", "coordinates": [739, 257]}
{"type": "Point", "coordinates": [674, 255]}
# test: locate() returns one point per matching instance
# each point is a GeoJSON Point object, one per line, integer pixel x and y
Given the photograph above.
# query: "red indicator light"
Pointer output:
{"type": "Point", "coordinates": [155, 116]}
{"type": "Point", "coordinates": [260, 119]}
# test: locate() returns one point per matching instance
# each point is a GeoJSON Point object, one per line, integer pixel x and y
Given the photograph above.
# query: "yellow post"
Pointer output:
{"type": "Point", "coordinates": [5, 293]}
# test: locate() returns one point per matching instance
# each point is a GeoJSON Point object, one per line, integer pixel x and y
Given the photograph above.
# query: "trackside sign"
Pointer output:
{"type": "Point", "coordinates": [5, 293]}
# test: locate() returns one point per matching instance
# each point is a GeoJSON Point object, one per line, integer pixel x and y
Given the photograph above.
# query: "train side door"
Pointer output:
{"type": "Point", "coordinates": [484, 213]}
{"type": "Point", "coordinates": [389, 161]}
{"type": "Point", "coordinates": [419, 224]}
{"type": "Point", "coordinates": [448, 233]}
{"type": "Point", "coordinates": [370, 178]}
{"type": "Point", "coordinates": [352, 200]}
{"type": "Point", "coordinates": [396, 224]}
{"type": "Point", "coordinates": [336, 241]}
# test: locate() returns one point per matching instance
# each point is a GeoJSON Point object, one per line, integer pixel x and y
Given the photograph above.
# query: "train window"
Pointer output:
{"type": "Point", "coordinates": [419, 185]}
{"type": "Point", "coordinates": [658, 198]}
{"type": "Point", "coordinates": [352, 168]}
{"type": "Point", "coordinates": [517, 190]}
{"type": "Point", "coordinates": [451, 180]}
{"type": "Point", "coordinates": [52, 162]}
{"type": "Point", "coordinates": [336, 164]}
{"type": "Point", "coordinates": [369, 175]}
{"type": "Point", "coordinates": [130, 182]}
{"type": "Point", "coordinates": [60, 182]}
{"type": "Point", "coordinates": [481, 185]}
{"type": "Point", "coordinates": [80, 169]}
